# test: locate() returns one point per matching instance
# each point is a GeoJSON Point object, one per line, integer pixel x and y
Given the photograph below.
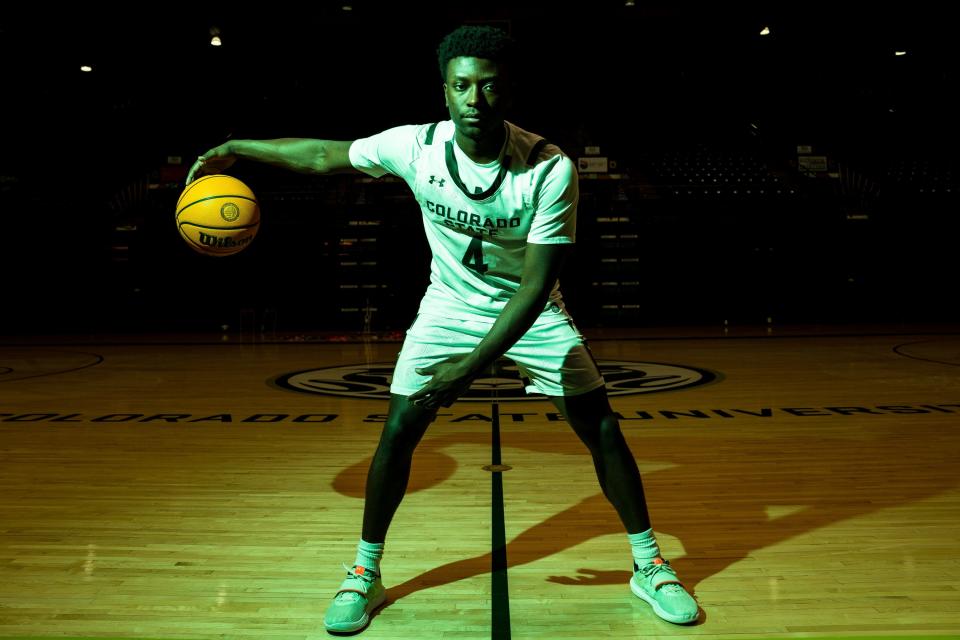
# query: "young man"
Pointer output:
{"type": "Point", "coordinates": [499, 210]}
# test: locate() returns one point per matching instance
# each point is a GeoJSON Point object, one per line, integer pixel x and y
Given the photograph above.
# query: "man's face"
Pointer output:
{"type": "Point", "coordinates": [477, 96]}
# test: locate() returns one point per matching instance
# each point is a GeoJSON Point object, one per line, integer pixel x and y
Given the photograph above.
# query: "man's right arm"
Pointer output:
{"type": "Point", "coordinates": [304, 155]}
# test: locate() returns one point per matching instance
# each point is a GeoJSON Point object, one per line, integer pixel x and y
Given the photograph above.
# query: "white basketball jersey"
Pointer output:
{"type": "Point", "coordinates": [478, 218]}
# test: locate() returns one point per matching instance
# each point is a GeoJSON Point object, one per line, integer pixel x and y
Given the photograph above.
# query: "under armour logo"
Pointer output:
{"type": "Point", "coordinates": [439, 181]}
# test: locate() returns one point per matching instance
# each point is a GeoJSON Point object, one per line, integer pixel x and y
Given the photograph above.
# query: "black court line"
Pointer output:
{"type": "Point", "coordinates": [98, 359]}
{"type": "Point", "coordinates": [899, 351]}
{"type": "Point", "coordinates": [500, 605]}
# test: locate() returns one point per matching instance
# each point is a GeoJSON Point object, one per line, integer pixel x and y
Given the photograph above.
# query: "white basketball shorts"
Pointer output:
{"type": "Point", "coordinates": [552, 356]}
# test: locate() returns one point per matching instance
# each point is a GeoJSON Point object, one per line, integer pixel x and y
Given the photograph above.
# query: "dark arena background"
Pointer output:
{"type": "Point", "coordinates": [765, 270]}
{"type": "Point", "coordinates": [807, 176]}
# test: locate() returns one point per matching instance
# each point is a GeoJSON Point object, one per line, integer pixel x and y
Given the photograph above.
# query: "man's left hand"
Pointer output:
{"type": "Point", "coordinates": [448, 383]}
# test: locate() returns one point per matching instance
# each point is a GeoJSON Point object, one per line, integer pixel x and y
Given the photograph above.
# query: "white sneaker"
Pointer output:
{"type": "Point", "coordinates": [359, 596]}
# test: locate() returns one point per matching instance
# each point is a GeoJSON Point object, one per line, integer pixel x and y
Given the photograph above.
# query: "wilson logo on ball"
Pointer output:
{"type": "Point", "coordinates": [223, 243]}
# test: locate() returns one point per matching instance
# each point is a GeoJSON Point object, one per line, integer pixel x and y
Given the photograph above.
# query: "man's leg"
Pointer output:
{"type": "Point", "coordinates": [654, 580]}
{"type": "Point", "coordinates": [429, 341]}
{"type": "Point", "coordinates": [390, 468]}
{"type": "Point", "coordinates": [387, 479]}
{"type": "Point", "coordinates": [597, 426]}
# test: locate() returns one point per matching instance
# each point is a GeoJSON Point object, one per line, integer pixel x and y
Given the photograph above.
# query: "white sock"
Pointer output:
{"type": "Point", "coordinates": [644, 547]}
{"type": "Point", "coordinates": [369, 554]}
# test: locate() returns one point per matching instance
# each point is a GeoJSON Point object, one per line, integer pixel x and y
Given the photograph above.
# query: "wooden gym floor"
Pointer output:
{"type": "Point", "coordinates": [170, 487]}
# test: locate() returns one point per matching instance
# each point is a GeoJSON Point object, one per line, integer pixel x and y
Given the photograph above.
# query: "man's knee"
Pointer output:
{"type": "Point", "coordinates": [609, 429]}
{"type": "Point", "coordinates": [405, 424]}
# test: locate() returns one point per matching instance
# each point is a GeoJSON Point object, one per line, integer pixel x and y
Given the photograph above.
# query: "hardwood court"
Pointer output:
{"type": "Point", "coordinates": [170, 488]}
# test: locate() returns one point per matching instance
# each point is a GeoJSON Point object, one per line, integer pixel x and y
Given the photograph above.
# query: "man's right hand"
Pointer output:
{"type": "Point", "coordinates": [216, 160]}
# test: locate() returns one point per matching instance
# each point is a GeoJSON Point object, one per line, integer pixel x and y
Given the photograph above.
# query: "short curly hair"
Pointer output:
{"type": "Point", "coordinates": [473, 41]}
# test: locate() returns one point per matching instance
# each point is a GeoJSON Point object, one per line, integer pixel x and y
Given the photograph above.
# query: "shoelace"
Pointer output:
{"type": "Point", "coordinates": [349, 597]}
{"type": "Point", "coordinates": [651, 570]}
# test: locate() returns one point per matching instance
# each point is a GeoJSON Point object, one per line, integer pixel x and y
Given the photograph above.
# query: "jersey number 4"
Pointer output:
{"type": "Point", "coordinates": [473, 258]}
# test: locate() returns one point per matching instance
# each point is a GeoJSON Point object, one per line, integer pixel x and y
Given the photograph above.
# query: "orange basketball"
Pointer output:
{"type": "Point", "coordinates": [218, 215]}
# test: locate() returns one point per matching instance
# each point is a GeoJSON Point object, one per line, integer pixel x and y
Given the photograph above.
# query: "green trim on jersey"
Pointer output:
{"type": "Point", "coordinates": [454, 170]}
{"type": "Point", "coordinates": [537, 148]}
{"type": "Point", "coordinates": [430, 131]}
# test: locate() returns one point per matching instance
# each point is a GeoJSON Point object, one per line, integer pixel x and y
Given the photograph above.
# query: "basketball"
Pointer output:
{"type": "Point", "coordinates": [218, 215]}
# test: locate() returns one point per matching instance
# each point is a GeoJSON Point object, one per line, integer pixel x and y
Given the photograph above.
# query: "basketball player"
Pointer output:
{"type": "Point", "coordinates": [499, 210]}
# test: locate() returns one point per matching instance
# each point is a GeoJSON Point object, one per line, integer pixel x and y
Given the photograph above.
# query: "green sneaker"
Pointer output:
{"type": "Point", "coordinates": [359, 595]}
{"type": "Point", "coordinates": [657, 584]}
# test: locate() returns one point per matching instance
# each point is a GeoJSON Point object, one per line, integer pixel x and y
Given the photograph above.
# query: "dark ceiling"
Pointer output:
{"type": "Point", "coordinates": [654, 73]}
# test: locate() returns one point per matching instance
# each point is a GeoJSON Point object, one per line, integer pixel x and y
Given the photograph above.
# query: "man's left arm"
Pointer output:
{"type": "Point", "coordinates": [541, 268]}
